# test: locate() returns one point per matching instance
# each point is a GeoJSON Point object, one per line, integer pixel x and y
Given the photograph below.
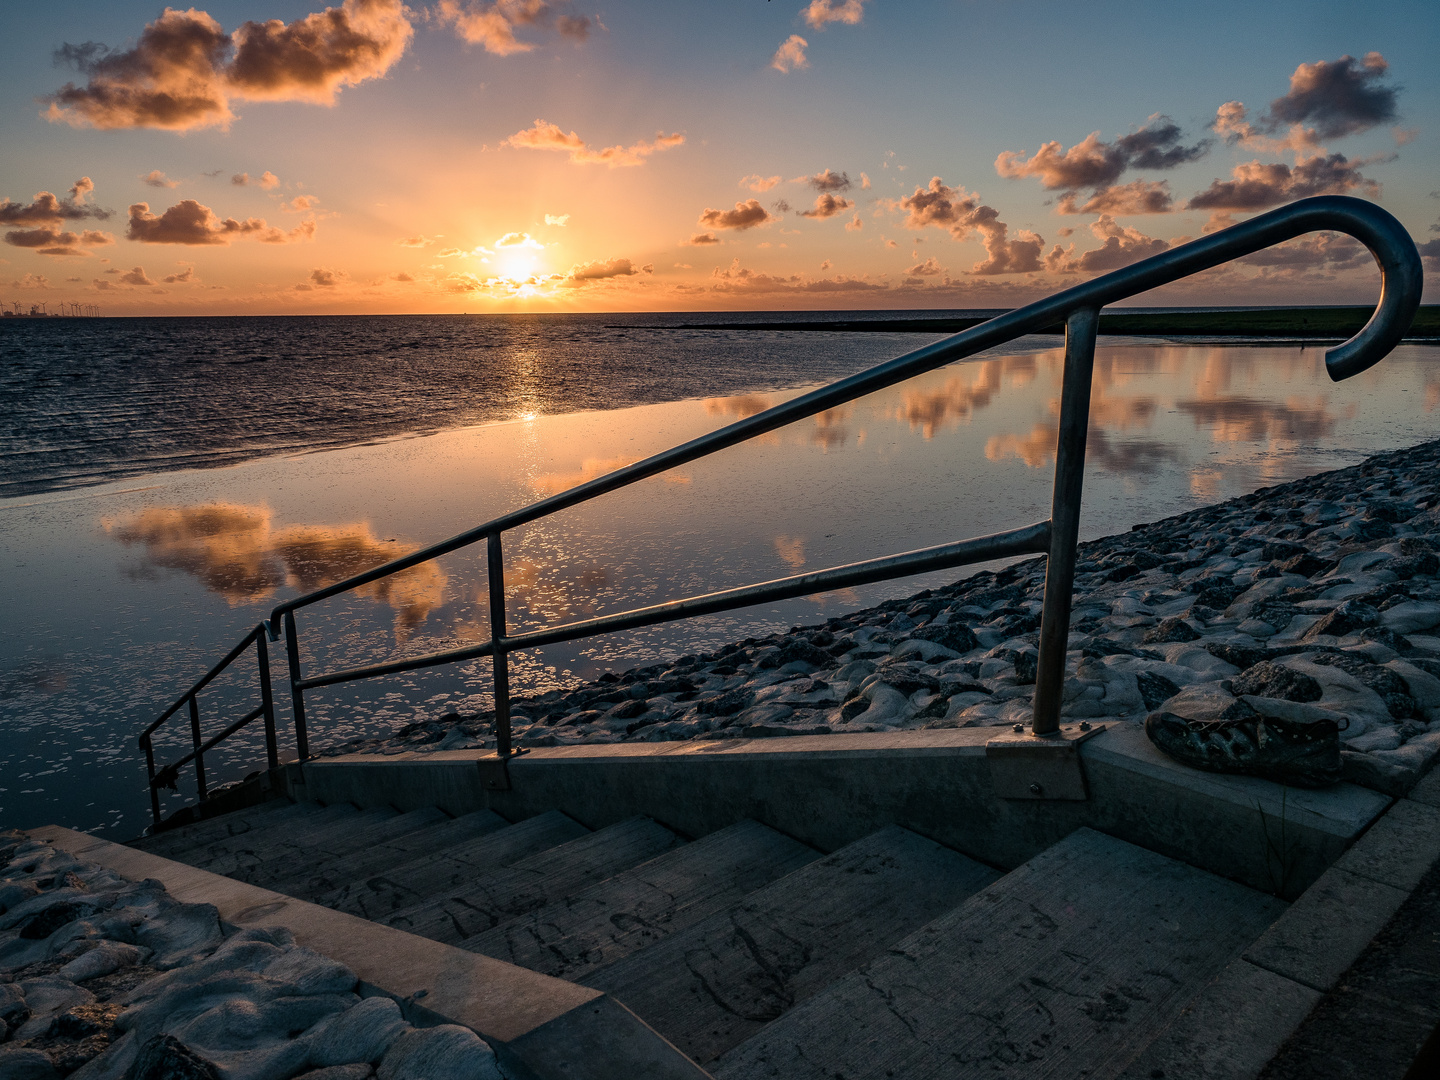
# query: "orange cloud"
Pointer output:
{"type": "Point", "coordinates": [827, 206]}
{"type": "Point", "coordinates": [1255, 186]}
{"type": "Point", "coordinates": [756, 182]}
{"type": "Point", "coordinates": [746, 215]}
{"type": "Point", "coordinates": [46, 209]}
{"type": "Point", "coordinates": [188, 222]}
{"type": "Point", "coordinates": [1092, 163]}
{"type": "Point", "coordinates": [544, 135]}
{"type": "Point", "coordinates": [603, 269]}
{"type": "Point", "coordinates": [1137, 197]}
{"type": "Point", "coordinates": [819, 12]}
{"type": "Point", "coordinates": [156, 178]}
{"type": "Point", "coordinates": [941, 206]}
{"type": "Point", "coordinates": [702, 240]}
{"type": "Point", "coordinates": [267, 180]}
{"type": "Point", "coordinates": [49, 240]}
{"type": "Point", "coordinates": [185, 71]}
{"type": "Point", "coordinates": [1121, 247]}
{"type": "Point", "coordinates": [492, 26]}
{"type": "Point", "coordinates": [791, 54]}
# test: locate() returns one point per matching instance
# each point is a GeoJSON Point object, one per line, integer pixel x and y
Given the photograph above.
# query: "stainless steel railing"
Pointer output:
{"type": "Point", "coordinates": [1077, 309]}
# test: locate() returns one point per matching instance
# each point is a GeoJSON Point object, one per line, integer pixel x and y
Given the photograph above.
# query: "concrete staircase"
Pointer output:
{"type": "Point", "coordinates": [759, 956]}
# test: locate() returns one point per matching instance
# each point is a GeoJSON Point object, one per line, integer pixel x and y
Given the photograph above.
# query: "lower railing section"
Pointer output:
{"type": "Point", "coordinates": [1078, 307]}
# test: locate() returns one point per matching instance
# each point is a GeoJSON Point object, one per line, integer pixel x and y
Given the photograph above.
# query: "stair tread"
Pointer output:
{"type": "Point", "coordinates": [309, 818]}
{"type": "Point", "coordinates": [235, 823]}
{"type": "Point", "coordinates": [409, 883]}
{"type": "Point", "coordinates": [313, 882]}
{"type": "Point", "coordinates": [573, 936]}
{"type": "Point", "coordinates": [338, 844]}
{"type": "Point", "coordinates": [1070, 965]}
{"type": "Point", "coordinates": [303, 838]}
{"type": "Point", "coordinates": [489, 898]}
{"type": "Point", "coordinates": [720, 981]}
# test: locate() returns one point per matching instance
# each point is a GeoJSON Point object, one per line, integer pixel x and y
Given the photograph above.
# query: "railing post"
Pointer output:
{"type": "Point", "coordinates": [195, 739]}
{"type": "Point", "coordinates": [267, 702]}
{"type": "Point", "coordinates": [1080, 330]}
{"type": "Point", "coordinates": [495, 565]}
{"type": "Point", "coordinates": [297, 695]}
{"type": "Point", "coordinates": [150, 778]}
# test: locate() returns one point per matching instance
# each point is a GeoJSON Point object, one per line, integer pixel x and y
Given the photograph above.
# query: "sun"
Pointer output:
{"type": "Point", "coordinates": [516, 265]}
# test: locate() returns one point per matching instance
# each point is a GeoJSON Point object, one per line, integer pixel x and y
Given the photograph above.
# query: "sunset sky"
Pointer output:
{"type": "Point", "coordinates": [279, 156]}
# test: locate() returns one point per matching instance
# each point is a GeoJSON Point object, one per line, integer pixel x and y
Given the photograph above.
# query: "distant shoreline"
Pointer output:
{"type": "Point", "coordinates": [1317, 324]}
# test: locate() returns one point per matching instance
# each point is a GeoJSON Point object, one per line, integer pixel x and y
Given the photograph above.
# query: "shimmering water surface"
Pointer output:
{"type": "Point", "coordinates": [118, 594]}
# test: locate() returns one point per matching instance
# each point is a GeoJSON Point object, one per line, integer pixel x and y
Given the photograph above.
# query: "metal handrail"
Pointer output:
{"type": "Point", "coordinates": [1078, 308]}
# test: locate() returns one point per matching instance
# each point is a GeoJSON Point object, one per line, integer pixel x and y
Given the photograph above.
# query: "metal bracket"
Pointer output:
{"type": "Point", "coordinates": [1026, 766]}
{"type": "Point", "coordinates": [495, 770]}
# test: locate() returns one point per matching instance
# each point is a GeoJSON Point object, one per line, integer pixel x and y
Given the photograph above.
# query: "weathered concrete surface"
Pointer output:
{"type": "Point", "coordinates": [829, 791]}
{"type": "Point", "coordinates": [509, 1006]}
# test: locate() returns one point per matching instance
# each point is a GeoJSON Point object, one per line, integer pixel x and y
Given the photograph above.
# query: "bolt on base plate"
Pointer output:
{"type": "Point", "coordinates": [1026, 766]}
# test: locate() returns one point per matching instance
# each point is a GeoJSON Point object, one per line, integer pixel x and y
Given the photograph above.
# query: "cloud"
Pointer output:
{"type": "Point", "coordinates": [826, 181]}
{"type": "Point", "coordinates": [820, 12]}
{"type": "Point", "coordinates": [547, 136]}
{"type": "Point", "coordinates": [1136, 197]}
{"type": "Point", "coordinates": [746, 215]}
{"type": "Point", "coordinates": [702, 240]}
{"type": "Point", "coordinates": [941, 206]}
{"type": "Point", "coordinates": [401, 277]}
{"type": "Point", "coordinates": [52, 240]}
{"type": "Point", "coordinates": [156, 178]}
{"type": "Point", "coordinates": [1121, 247]}
{"type": "Point", "coordinates": [267, 180]}
{"type": "Point", "coordinates": [1339, 98]}
{"type": "Point", "coordinates": [185, 71]}
{"type": "Point", "coordinates": [416, 241]}
{"type": "Point", "coordinates": [929, 268]}
{"type": "Point", "coordinates": [518, 240]}
{"type": "Point", "coordinates": [854, 224]}
{"type": "Point", "coordinates": [1095, 164]}
{"type": "Point", "coordinates": [738, 280]}
{"type": "Point", "coordinates": [791, 54]}
{"type": "Point", "coordinates": [182, 277]}
{"type": "Point", "coordinates": [46, 209]}
{"type": "Point", "coordinates": [756, 182]}
{"type": "Point", "coordinates": [827, 206]}
{"type": "Point", "coordinates": [188, 222]}
{"type": "Point", "coordinates": [1317, 251]}
{"type": "Point", "coordinates": [557, 219]}
{"type": "Point", "coordinates": [322, 278]}
{"type": "Point", "coordinates": [600, 270]}
{"type": "Point", "coordinates": [1430, 252]}
{"type": "Point", "coordinates": [31, 281]}
{"type": "Point", "coordinates": [1254, 185]}
{"type": "Point", "coordinates": [300, 204]}
{"type": "Point", "coordinates": [493, 25]}
{"type": "Point", "coordinates": [135, 276]}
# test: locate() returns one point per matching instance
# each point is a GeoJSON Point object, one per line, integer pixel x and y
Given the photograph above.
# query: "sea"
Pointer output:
{"type": "Point", "coordinates": [164, 482]}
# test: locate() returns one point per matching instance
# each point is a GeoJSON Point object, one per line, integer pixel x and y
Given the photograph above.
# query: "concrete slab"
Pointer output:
{"type": "Point", "coordinates": [1068, 966]}
{"type": "Point", "coordinates": [1427, 791]}
{"type": "Point", "coordinates": [1232, 1028]}
{"type": "Point", "coordinates": [831, 790]}
{"type": "Point", "coordinates": [520, 1012]}
{"type": "Point", "coordinates": [1325, 930]}
{"type": "Point", "coordinates": [1400, 848]}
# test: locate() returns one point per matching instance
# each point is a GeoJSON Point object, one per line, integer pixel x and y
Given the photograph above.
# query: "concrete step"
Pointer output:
{"type": "Point", "coordinates": [337, 844]}
{"type": "Point", "coordinates": [302, 839]}
{"type": "Point", "coordinates": [237, 823]}
{"type": "Point", "coordinates": [572, 937]}
{"type": "Point", "coordinates": [717, 983]}
{"type": "Point", "coordinates": [1068, 966]}
{"type": "Point", "coordinates": [485, 900]}
{"type": "Point", "coordinates": [410, 883]}
{"type": "Point", "coordinates": [306, 819]}
{"type": "Point", "coordinates": [383, 855]}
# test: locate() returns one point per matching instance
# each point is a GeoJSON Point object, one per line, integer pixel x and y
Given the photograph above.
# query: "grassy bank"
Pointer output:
{"type": "Point", "coordinates": [1319, 323]}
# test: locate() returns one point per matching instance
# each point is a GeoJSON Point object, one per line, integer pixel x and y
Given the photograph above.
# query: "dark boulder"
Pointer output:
{"type": "Point", "coordinates": [1271, 680]}
{"type": "Point", "coordinates": [1348, 618]}
{"type": "Point", "coordinates": [953, 635]}
{"type": "Point", "coordinates": [1155, 688]}
{"type": "Point", "coordinates": [1171, 629]}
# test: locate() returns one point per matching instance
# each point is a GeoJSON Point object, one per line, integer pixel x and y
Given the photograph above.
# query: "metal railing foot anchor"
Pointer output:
{"type": "Point", "coordinates": [1044, 767]}
{"type": "Point", "coordinates": [495, 769]}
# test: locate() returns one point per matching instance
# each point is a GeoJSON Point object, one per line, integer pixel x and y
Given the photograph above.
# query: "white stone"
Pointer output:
{"type": "Point", "coordinates": [1423, 687]}
{"type": "Point", "coordinates": [447, 1052]}
{"type": "Point", "coordinates": [1203, 701]}
{"type": "Point", "coordinates": [1256, 628]}
{"type": "Point", "coordinates": [47, 997]}
{"type": "Point", "coordinates": [181, 934]}
{"type": "Point", "coordinates": [361, 1034]}
{"type": "Point", "coordinates": [1386, 737]}
{"type": "Point", "coordinates": [107, 957]}
{"type": "Point", "coordinates": [1412, 615]}
{"type": "Point", "coordinates": [929, 651]}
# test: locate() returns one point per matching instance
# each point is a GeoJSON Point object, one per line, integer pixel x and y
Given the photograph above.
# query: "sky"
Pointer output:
{"type": "Point", "coordinates": [283, 157]}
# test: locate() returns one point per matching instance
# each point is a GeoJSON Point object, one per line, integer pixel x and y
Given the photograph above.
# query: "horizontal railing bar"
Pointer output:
{"type": "Point", "coordinates": [1365, 221]}
{"type": "Point", "coordinates": [1030, 540]}
{"type": "Point", "coordinates": [210, 743]}
{"type": "Point", "coordinates": [228, 659]}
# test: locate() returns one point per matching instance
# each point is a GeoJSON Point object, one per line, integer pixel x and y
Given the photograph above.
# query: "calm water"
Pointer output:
{"type": "Point", "coordinates": [120, 593]}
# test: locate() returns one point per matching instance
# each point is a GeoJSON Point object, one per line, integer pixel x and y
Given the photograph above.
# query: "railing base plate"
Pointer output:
{"type": "Point", "coordinates": [495, 770]}
{"type": "Point", "coordinates": [1026, 766]}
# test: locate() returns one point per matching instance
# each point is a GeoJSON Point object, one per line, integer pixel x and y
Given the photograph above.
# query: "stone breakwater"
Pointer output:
{"type": "Point", "coordinates": [1318, 597]}
{"type": "Point", "coordinates": [102, 978]}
